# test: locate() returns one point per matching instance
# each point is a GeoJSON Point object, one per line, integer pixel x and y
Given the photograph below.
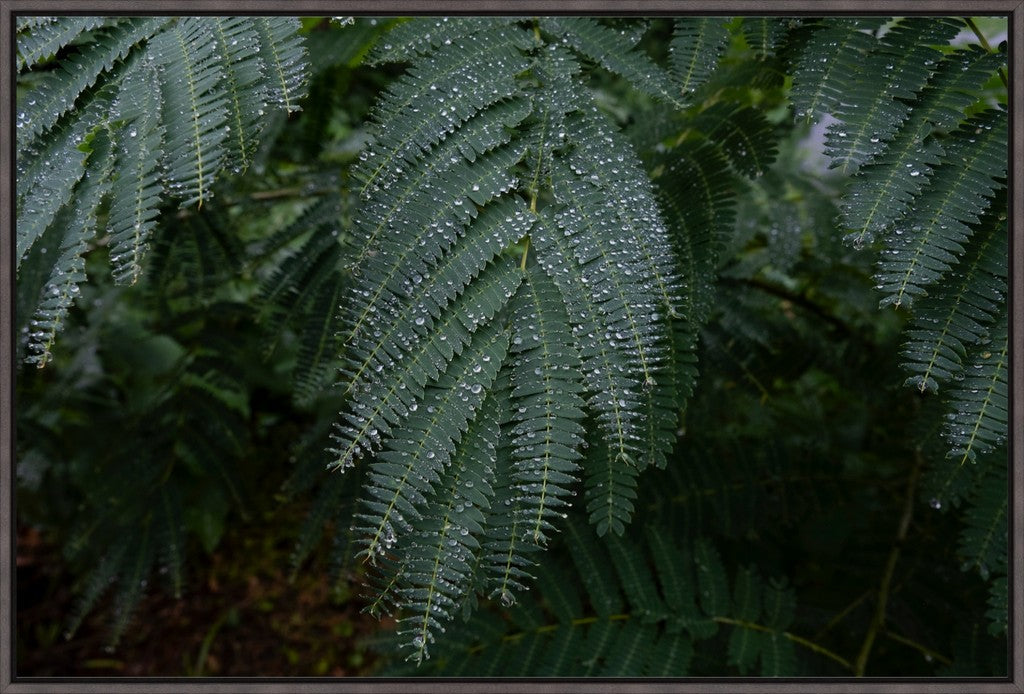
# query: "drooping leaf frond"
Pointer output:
{"type": "Point", "coordinates": [829, 66]}
{"type": "Point", "coordinates": [547, 404]}
{"type": "Point", "coordinates": [195, 111]}
{"type": "Point", "coordinates": [978, 421]}
{"type": "Point", "coordinates": [74, 226]}
{"type": "Point", "coordinates": [959, 315]}
{"type": "Point", "coordinates": [47, 35]}
{"type": "Point", "coordinates": [697, 44]}
{"type": "Point", "coordinates": [412, 461]}
{"type": "Point", "coordinates": [59, 89]}
{"type": "Point", "coordinates": [874, 108]}
{"type": "Point", "coordinates": [587, 307]}
{"type": "Point", "coordinates": [422, 35]}
{"type": "Point", "coordinates": [883, 191]}
{"type": "Point", "coordinates": [438, 561]}
{"type": "Point", "coordinates": [636, 615]}
{"type": "Point", "coordinates": [238, 45]}
{"type": "Point", "coordinates": [284, 59]}
{"type": "Point", "coordinates": [135, 194]}
{"type": "Point", "coordinates": [983, 540]}
{"type": "Point", "coordinates": [423, 331]}
{"type": "Point", "coordinates": [615, 52]}
{"type": "Point", "coordinates": [742, 134]}
{"type": "Point", "coordinates": [434, 98]}
{"type": "Point", "coordinates": [762, 34]}
{"type": "Point", "coordinates": [184, 99]}
{"type": "Point", "coordinates": [923, 246]}
{"type": "Point", "coordinates": [49, 170]}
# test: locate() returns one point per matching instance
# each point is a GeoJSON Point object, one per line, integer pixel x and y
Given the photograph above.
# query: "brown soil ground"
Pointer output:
{"type": "Point", "coordinates": [239, 616]}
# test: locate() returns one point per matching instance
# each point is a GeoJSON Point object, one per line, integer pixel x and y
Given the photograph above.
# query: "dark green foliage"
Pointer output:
{"type": "Point", "coordinates": [638, 619]}
{"type": "Point", "coordinates": [922, 247]}
{"type": "Point", "coordinates": [883, 190]}
{"type": "Point", "coordinates": [583, 311]}
{"type": "Point", "coordinates": [873, 106]}
{"type": "Point", "coordinates": [829, 66]}
{"type": "Point", "coordinates": [697, 44]}
{"type": "Point", "coordinates": [168, 91]}
{"type": "Point", "coordinates": [560, 252]}
{"type": "Point", "coordinates": [960, 314]}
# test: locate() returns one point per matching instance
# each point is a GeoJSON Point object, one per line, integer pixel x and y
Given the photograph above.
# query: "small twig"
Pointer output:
{"type": "Point", "coordinates": [806, 643]}
{"type": "Point", "coordinates": [924, 650]}
{"type": "Point", "coordinates": [843, 614]}
{"type": "Point", "coordinates": [800, 300]}
{"type": "Point", "coordinates": [985, 44]}
{"type": "Point", "coordinates": [878, 621]}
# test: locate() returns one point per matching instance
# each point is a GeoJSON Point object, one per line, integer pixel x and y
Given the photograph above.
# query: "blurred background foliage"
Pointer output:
{"type": "Point", "coordinates": [175, 516]}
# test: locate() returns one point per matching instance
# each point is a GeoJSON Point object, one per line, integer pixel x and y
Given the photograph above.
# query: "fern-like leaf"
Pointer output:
{"type": "Point", "coordinates": [545, 426]}
{"type": "Point", "coordinates": [922, 248]}
{"type": "Point", "coordinates": [238, 44]}
{"type": "Point", "coordinates": [883, 191]}
{"type": "Point", "coordinates": [419, 36]}
{"type": "Point", "coordinates": [950, 321]}
{"type": "Point", "coordinates": [47, 35]}
{"type": "Point", "coordinates": [979, 418]}
{"type": "Point", "coordinates": [873, 108]}
{"type": "Point", "coordinates": [439, 560]}
{"type": "Point", "coordinates": [284, 59]}
{"type": "Point", "coordinates": [437, 332]}
{"type": "Point", "coordinates": [830, 65]}
{"type": "Point", "coordinates": [75, 226]}
{"type": "Point", "coordinates": [135, 194]}
{"type": "Point", "coordinates": [411, 462]}
{"type": "Point", "coordinates": [697, 45]}
{"type": "Point", "coordinates": [49, 170]}
{"type": "Point", "coordinates": [434, 99]}
{"type": "Point", "coordinates": [615, 52]}
{"type": "Point", "coordinates": [58, 91]}
{"type": "Point", "coordinates": [195, 111]}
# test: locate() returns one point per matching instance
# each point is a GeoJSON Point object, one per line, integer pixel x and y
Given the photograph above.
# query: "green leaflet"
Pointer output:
{"type": "Point", "coordinates": [58, 90]}
{"type": "Point", "coordinates": [135, 194]}
{"type": "Point", "coordinates": [697, 44]}
{"type": "Point", "coordinates": [74, 226]}
{"type": "Point", "coordinates": [440, 203]}
{"type": "Point", "coordinates": [238, 43]}
{"type": "Point", "coordinates": [413, 459]}
{"type": "Point", "coordinates": [423, 331]}
{"type": "Point", "coordinates": [978, 421]}
{"type": "Point", "coordinates": [625, 622]}
{"type": "Point", "coordinates": [874, 107]}
{"type": "Point", "coordinates": [922, 247]}
{"type": "Point", "coordinates": [418, 36]}
{"type": "Point", "coordinates": [614, 52]}
{"type": "Point", "coordinates": [959, 315]}
{"type": "Point", "coordinates": [763, 34]}
{"type": "Point", "coordinates": [284, 60]}
{"type": "Point", "coordinates": [170, 89]}
{"type": "Point", "coordinates": [545, 427]}
{"type": "Point", "coordinates": [884, 190]}
{"type": "Point", "coordinates": [49, 170]}
{"type": "Point", "coordinates": [742, 134]}
{"type": "Point", "coordinates": [47, 35]}
{"type": "Point", "coordinates": [420, 109]}
{"type": "Point", "coordinates": [194, 148]}
{"type": "Point", "coordinates": [438, 562]}
{"type": "Point", "coordinates": [829, 66]}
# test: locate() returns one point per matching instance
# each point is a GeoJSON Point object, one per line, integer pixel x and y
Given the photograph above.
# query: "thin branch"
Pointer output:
{"type": "Point", "coordinates": [924, 650]}
{"type": "Point", "coordinates": [800, 300]}
{"type": "Point", "coordinates": [806, 643]}
{"type": "Point", "coordinates": [878, 621]}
